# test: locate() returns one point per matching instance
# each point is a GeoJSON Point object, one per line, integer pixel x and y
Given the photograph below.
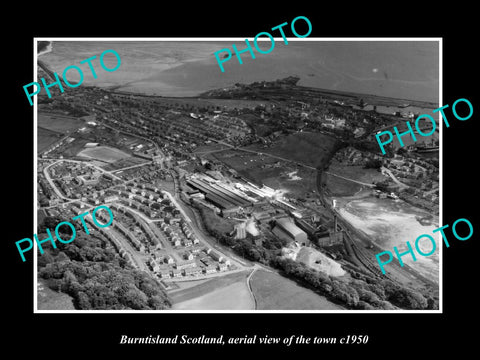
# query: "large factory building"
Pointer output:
{"type": "Point", "coordinates": [286, 229]}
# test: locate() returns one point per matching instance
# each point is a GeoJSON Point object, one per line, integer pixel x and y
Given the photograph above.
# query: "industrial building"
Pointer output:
{"type": "Point", "coordinates": [223, 198]}
{"type": "Point", "coordinates": [333, 238]}
{"type": "Point", "coordinates": [286, 229]}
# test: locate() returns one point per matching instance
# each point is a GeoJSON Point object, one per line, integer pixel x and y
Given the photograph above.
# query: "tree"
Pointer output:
{"type": "Point", "coordinates": [373, 164]}
{"type": "Point", "coordinates": [82, 301]}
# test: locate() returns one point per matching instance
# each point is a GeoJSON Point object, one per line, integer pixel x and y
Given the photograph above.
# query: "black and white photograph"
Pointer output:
{"type": "Point", "coordinates": [293, 180]}
{"type": "Point", "coordinates": [260, 188]}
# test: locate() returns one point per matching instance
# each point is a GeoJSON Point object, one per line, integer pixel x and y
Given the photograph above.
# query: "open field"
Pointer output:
{"type": "Point", "coordinates": [45, 138]}
{"type": "Point", "coordinates": [123, 163]}
{"type": "Point", "coordinates": [275, 292]}
{"type": "Point", "coordinates": [296, 180]}
{"type": "Point", "coordinates": [341, 187]}
{"type": "Point", "coordinates": [229, 292]}
{"type": "Point", "coordinates": [103, 153]}
{"type": "Point", "coordinates": [311, 149]}
{"type": "Point", "coordinates": [58, 123]}
{"type": "Point", "coordinates": [243, 161]}
{"type": "Point", "coordinates": [74, 147]}
{"type": "Point", "coordinates": [262, 169]}
{"type": "Point", "coordinates": [356, 172]}
{"type": "Point", "coordinates": [232, 297]}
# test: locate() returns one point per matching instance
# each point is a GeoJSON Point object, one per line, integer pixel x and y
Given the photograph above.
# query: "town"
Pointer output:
{"type": "Point", "coordinates": [200, 187]}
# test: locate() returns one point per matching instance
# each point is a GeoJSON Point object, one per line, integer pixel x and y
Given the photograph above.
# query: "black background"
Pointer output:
{"type": "Point", "coordinates": [96, 334]}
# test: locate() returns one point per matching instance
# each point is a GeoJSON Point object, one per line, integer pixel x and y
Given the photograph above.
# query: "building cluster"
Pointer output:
{"type": "Point", "coordinates": [167, 243]}
{"type": "Point", "coordinates": [190, 263]}
{"type": "Point", "coordinates": [227, 199]}
{"type": "Point", "coordinates": [331, 122]}
{"type": "Point", "coordinates": [178, 232]}
{"type": "Point", "coordinates": [77, 180]}
{"type": "Point", "coordinates": [287, 230]}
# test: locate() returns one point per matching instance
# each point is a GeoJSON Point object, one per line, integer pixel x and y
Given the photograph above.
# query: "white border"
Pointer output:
{"type": "Point", "coordinates": [221, 39]}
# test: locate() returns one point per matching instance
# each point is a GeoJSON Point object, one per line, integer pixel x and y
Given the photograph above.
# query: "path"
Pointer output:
{"type": "Point", "coordinates": [355, 181]}
{"type": "Point", "coordinates": [393, 177]}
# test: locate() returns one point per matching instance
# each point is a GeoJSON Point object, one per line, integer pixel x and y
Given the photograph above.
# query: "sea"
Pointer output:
{"type": "Point", "coordinates": [400, 69]}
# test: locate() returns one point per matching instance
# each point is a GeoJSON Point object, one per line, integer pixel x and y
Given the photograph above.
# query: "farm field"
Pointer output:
{"type": "Point", "coordinates": [103, 153]}
{"type": "Point", "coordinates": [275, 292]}
{"type": "Point", "coordinates": [45, 138]}
{"type": "Point", "coordinates": [58, 123]}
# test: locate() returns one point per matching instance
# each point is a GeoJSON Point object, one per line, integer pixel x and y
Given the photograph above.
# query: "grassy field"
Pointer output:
{"type": "Point", "coordinates": [262, 169]}
{"type": "Point", "coordinates": [311, 149]}
{"type": "Point", "coordinates": [124, 162]}
{"type": "Point", "coordinates": [232, 297]}
{"type": "Point", "coordinates": [275, 292]}
{"type": "Point", "coordinates": [58, 123]}
{"type": "Point", "coordinates": [45, 138]}
{"type": "Point", "coordinates": [229, 292]}
{"type": "Point", "coordinates": [341, 187]}
{"type": "Point", "coordinates": [104, 153]}
{"type": "Point", "coordinates": [356, 172]}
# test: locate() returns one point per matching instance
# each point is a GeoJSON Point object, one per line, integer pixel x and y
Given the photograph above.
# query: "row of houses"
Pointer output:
{"type": "Point", "coordinates": [178, 236]}
{"type": "Point", "coordinates": [208, 262]}
{"type": "Point", "coordinates": [167, 273]}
